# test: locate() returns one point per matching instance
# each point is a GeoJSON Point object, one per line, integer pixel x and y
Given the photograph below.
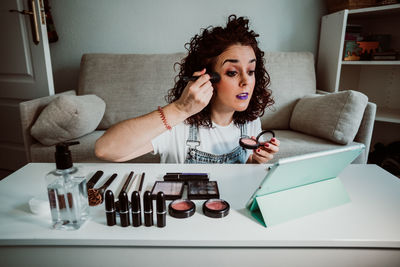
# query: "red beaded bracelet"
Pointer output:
{"type": "Point", "coordinates": [164, 120]}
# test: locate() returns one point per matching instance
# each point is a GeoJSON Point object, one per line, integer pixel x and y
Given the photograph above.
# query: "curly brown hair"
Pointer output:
{"type": "Point", "coordinates": [203, 50]}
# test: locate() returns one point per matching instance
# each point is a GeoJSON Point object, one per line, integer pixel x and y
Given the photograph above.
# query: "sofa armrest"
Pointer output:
{"type": "Point", "coordinates": [29, 112]}
{"type": "Point", "coordinates": [364, 133]}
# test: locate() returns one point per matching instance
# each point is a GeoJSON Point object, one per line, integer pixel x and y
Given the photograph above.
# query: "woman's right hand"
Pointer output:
{"type": "Point", "coordinates": [196, 95]}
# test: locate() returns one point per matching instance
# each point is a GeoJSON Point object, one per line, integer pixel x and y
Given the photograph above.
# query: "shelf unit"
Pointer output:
{"type": "Point", "coordinates": [379, 80]}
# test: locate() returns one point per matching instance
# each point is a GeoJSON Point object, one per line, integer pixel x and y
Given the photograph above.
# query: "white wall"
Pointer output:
{"type": "Point", "coordinates": [164, 26]}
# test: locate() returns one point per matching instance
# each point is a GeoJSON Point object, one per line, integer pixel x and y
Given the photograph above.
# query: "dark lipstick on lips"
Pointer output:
{"type": "Point", "coordinates": [124, 209]}
{"type": "Point", "coordinates": [148, 208]}
{"type": "Point", "coordinates": [110, 208]}
{"type": "Point", "coordinates": [242, 96]}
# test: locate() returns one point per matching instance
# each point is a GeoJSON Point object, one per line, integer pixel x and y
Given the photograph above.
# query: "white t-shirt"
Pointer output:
{"type": "Point", "coordinates": [171, 145]}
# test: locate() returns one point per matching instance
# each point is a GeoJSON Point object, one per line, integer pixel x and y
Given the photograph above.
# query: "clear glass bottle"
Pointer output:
{"type": "Point", "coordinates": [66, 187]}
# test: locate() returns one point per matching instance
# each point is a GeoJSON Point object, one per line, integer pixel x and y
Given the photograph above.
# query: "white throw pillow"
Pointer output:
{"type": "Point", "coordinates": [68, 117]}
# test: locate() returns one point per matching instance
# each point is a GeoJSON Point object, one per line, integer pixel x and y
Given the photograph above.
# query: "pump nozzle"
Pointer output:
{"type": "Point", "coordinates": [63, 155]}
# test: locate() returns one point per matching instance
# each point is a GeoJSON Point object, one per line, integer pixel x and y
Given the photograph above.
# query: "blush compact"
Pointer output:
{"type": "Point", "coordinates": [181, 208]}
{"type": "Point", "coordinates": [216, 208]}
{"type": "Point", "coordinates": [249, 143]}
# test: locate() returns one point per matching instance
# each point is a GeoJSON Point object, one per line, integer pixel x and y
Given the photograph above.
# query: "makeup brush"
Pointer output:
{"type": "Point", "coordinates": [124, 187]}
{"type": "Point", "coordinates": [141, 182]}
{"type": "Point", "coordinates": [128, 180]}
{"type": "Point", "coordinates": [214, 77]}
{"type": "Point", "coordinates": [95, 178]}
{"type": "Point", "coordinates": [96, 195]}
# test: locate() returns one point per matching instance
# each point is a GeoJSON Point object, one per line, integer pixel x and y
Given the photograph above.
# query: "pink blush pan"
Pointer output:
{"type": "Point", "coordinates": [181, 208]}
{"type": "Point", "coordinates": [182, 205]}
{"type": "Point", "coordinates": [216, 208]}
{"type": "Point", "coordinates": [249, 143]}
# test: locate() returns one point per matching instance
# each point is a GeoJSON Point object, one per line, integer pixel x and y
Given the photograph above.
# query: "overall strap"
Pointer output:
{"type": "Point", "coordinates": [243, 130]}
{"type": "Point", "coordinates": [193, 139]}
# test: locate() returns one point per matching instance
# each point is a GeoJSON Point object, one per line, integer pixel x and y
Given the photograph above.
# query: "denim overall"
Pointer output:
{"type": "Point", "coordinates": [237, 155]}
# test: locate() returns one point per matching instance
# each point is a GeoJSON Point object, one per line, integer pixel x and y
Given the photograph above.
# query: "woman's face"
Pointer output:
{"type": "Point", "coordinates": [236, 65]}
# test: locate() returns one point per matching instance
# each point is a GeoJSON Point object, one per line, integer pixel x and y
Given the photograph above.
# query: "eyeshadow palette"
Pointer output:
{"type": "Point", "coordinates": [171, 190]}
{"type": "Point", "coordinates": [202, 189]}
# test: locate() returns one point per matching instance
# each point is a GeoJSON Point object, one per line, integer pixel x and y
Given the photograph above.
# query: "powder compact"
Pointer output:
{"type": "Point", "coordinates": [216, 208]}
{"type": "Point", "coordinates": [202, 189]}
{"type": "Point", "coordinates": [171, 190]}
{"type": "Point", "coordinates": [181, 208]}
{"type": "Point", "coordinates": [249, 143]}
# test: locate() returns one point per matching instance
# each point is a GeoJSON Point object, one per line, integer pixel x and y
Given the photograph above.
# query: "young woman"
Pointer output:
{"type": "Point", "coordinates": [204, 119]}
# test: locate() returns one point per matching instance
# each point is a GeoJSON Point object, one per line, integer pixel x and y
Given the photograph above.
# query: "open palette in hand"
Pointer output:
{"type": "Point", "coordinates": [301, 185]}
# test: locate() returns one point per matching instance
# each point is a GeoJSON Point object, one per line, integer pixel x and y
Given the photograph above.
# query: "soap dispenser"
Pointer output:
{"type": "Point", "coordinates": [66, 188]}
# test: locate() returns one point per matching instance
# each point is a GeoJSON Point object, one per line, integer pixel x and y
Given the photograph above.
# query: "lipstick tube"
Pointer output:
{"type": "Point", "coordinates": [124, 209]}
{"type": "Point", "coordinates": [148, 208]}
{"type": "Point", "coordinates": [136, 210]}
{"type": "Point", "coordinates": [110, 208]}
{"type": "Point", "coordinates": [161, 210]}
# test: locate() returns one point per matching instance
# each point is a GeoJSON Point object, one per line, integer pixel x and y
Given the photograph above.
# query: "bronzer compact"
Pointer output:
{"type": "Point", "coordinates": [249, 143]}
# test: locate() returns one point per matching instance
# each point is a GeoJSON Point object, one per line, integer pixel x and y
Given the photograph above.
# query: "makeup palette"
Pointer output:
{"type": "Point", "coordinates": [202, 189]}
{"type": "Point", "coordinates": [216, 208]}
{"type": "Point", "coordinates": [181, 208]}
{"type": "Point", "coordinates": [249, 143]}
{"type": "Point", "coordinates": [171, 190]}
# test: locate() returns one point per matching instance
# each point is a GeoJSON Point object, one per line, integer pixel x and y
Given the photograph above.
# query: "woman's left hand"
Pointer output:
{"type": "Point", "coordinates": [266, 152]}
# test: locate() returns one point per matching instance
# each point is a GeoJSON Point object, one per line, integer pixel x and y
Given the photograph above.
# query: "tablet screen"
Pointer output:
{"type": "Point", "coordinates": [305, 169]}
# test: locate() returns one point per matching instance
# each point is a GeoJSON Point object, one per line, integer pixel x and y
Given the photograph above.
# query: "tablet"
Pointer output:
{"type": "Point", "coordinates": [306, 169]}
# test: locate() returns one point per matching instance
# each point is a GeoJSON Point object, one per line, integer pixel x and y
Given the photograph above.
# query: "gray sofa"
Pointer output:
{"type": "Point", "coordinates": [135, 84]}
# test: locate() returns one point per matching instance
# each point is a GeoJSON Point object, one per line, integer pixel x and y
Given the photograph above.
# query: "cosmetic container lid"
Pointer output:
{"type": "Point", "coordinates": [63, 155]}
{"type": "Point", "coordinates": [109, 201]}
{"type": "Point", "coordinates": [147, 201]}
{"type": "Point", "coordinates": [161, 206]}
{"type": "Point", "coordinates": [135, 201]}
{"type": "Point", "coordinates": [123, 201]}
{"type": "Point", "coordinates": [181, 208]}
{"type": "Point", "coordinates": [216, 208]}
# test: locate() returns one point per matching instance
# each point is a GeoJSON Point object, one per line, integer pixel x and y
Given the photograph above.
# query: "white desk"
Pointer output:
{"type": "Point", "coordinates": [364, 232]}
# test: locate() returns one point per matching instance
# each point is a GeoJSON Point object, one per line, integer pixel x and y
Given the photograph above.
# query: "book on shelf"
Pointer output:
{"type": "Point", "coordinates": [384, 56]}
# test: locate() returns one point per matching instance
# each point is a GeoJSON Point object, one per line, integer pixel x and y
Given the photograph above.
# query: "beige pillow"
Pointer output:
{"type": "Point", "coordinates": [335, 116]}
{"type": "Point", "coordinates": [68, 117]}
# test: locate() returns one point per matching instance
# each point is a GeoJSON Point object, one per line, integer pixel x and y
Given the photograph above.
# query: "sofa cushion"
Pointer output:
{"type": "Point", "coordinates": [292, 77]}
{"type": "Point", "coordinates": [68, 117]}
{"type": "Point", "coordinates": [335, 116]}
{"type": "Point", "coordinates": [130, 84]}
{"type": "Point", "coordinates": [294, 143]}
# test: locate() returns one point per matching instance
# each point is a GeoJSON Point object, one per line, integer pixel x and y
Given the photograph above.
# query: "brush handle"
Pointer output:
{"type": "Point", "coordinates": [141, 182]}
{"type": "Point", "coordinates": [125, 186]}
{"type": "Point", "coordinates": [95, 178]}
{"type": "Point", "coordinates": [107, 183]}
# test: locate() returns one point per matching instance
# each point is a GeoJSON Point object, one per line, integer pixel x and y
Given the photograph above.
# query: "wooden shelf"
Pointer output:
{"type": "Point", "coordinates": [372, 62]}
{"type": "Point", "coordinates": [388, 115]}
